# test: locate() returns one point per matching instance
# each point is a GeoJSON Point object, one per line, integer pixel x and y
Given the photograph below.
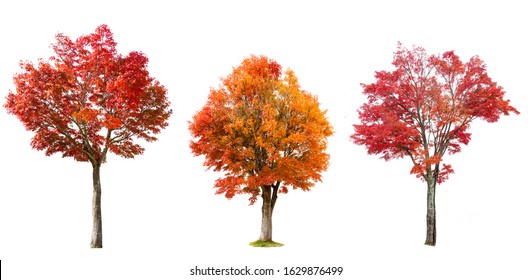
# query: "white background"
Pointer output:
{"type": "Point", "coordinates": [160, 214]}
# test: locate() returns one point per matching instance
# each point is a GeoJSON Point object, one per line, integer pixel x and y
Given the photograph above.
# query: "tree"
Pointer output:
{"type": "Point", "coordinates": [264, 132]}
{"type": "Point", "coordinates": [423, 109]}
{"type": "Point", "coordinates": [88, 100]}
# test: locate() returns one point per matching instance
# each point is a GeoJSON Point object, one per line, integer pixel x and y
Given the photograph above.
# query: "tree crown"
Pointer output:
{"type": "Point", "coordinates": [260, 128]}
{"type": "Point", "coordinates": [424, 107]}
{"type": "Point", "coordinates": [88, 99]}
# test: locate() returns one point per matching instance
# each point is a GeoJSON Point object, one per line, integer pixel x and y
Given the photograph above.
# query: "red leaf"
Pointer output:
{"type": "Point", "coordinates": [85, 91]}
{"type": "Point", "coordinates": [423, 108]}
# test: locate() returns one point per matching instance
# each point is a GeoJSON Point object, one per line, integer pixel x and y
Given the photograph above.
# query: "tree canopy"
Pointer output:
{"type": "Point", "coordinates": [260, 128]}
{"type": "Point", "coordinates": [424, 108]}
{"type": "Point", "coordinates": [87, 99]}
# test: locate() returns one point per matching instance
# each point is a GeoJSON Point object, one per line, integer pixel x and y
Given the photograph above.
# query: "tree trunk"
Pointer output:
{"type": "Point", "coordinates": [269, 197]}
{"type": "Point", "coordinates": [266, 226]}
{"type": "Point", "coordinates": [431, 212]}
{"type": "Point", "coordinates": [96, 241]}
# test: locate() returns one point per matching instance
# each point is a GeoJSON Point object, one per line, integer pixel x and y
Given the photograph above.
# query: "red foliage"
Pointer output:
{"type": "Point", "coordinates": [423, 109]}
{"type": "Point", "coordinates": [87, 99]}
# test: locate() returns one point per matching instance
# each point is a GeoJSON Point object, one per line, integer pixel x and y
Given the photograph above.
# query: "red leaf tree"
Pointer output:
{"type": "Point", "coordinates": [423, 110]}
{"type": "Point", "coordinates": [264, 132]}
{"type": "Point", "coordinates": [88, 100]}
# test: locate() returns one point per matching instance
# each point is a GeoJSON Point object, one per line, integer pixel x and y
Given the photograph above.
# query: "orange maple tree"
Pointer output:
{"type": "Point", "coordinates": [423, 109]}
{"type": "Point", "coordinates": [88, 100]}
{"type": "Point", "coordinates": [264, 132]}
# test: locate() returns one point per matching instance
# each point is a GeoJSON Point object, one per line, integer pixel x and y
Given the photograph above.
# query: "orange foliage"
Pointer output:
{"type": "Point", "coordinates": [260, 128]}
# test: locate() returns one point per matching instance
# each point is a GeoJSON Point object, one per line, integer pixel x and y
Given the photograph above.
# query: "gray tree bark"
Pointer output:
{"type": "Point", "coordinates": [431, 212]}
{"type": "Point", "coordinates": [96, 240]}
{"type": "Point", "coordinates": [269, 197]}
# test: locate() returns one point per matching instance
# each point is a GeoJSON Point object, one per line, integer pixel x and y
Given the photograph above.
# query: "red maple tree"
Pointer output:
{"type": "Point", "coordinates": [264, 132]}
{"type": "Point", "coordinates": [88, 100]}
{"type": "Point", "coordinates": [423, 110]}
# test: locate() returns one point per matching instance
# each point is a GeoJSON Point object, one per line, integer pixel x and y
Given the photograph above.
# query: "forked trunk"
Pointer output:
{"type": "Point", "coordinates": [269, 197]}
{"type": "Point", "coordinates": [96, 241]}
{"type": "Point", "coordinates": [431, 212]}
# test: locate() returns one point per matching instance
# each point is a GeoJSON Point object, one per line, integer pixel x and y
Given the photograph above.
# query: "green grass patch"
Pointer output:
{"type": "Point", "coordinates": [260, 243]}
